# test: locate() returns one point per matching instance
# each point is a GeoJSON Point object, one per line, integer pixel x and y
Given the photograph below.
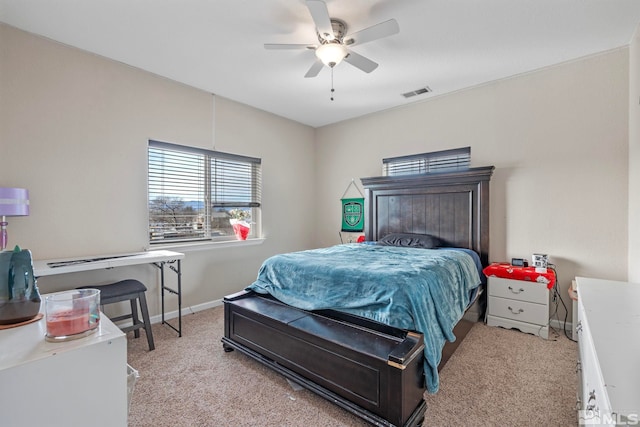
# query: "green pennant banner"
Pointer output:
{"type": "Point", "coordinates": [353, 215]}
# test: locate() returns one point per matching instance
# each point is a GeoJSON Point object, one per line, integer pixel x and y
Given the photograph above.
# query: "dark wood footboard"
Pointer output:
{"type": "Point", "coordinates": [370, 369]}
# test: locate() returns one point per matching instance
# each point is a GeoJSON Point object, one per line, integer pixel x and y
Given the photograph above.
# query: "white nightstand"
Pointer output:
{"type": "Point", "coordinates": [518, 304]}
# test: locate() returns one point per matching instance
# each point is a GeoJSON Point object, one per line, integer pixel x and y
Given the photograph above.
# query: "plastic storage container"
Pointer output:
{"type": "Point", "coordinates": [72, 314]}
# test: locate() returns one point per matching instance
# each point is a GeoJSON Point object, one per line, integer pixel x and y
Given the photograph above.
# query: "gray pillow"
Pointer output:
{"type": "Point", "coordinates": [409, 240]}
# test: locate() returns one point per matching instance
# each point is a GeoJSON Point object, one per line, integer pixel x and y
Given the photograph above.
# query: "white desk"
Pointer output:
{"type": "Point", "coordinates": [58, 384]}
{"type": "Point", "coordinates": [52, 267]}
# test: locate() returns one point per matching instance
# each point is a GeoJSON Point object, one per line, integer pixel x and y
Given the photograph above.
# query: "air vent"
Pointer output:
{"type": "Point", "coordinates": [420, 91]}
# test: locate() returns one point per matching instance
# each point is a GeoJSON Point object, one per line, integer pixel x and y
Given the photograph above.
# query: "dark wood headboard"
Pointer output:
{"type": "Point", "coordinates": [451, 205]}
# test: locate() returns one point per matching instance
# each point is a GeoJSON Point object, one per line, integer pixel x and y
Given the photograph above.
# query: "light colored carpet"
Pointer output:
{"type": "Point", "coordinates": [496, 377]}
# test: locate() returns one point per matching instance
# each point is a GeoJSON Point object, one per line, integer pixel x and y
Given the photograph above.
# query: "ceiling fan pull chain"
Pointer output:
{"type": "Point", "coordinates": [332, 89]}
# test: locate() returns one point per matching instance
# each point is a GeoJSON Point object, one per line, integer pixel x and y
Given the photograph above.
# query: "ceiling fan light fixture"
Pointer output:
{"type": "Point", "coordinates": [331, 54]}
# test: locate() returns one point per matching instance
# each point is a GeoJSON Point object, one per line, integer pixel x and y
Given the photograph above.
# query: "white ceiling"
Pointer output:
{"type": "Point", "coordinates": [217, 45]}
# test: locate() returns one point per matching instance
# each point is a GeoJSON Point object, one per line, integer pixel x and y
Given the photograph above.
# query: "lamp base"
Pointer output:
{"type": "Point", "coordinates": [13, 311]}
{"type": "Point", "coordinates": [19, 296]}
{"type": "Point", "coordinates": [4, 236]}
{"type": "Point", "coordinates": [26, 322]}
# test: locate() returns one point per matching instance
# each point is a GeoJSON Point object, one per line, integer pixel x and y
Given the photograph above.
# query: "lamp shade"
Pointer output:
{"type": "Point", "coordinates": [331, 53]}
{"type": "Point", "coordinates": [14, 201]}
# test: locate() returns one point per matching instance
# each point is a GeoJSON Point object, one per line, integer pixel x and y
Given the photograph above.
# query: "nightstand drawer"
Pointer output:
{"type": "Point", "coordinates": [518, 310]}
{"type": "Point", "coordinates": [519, 290]}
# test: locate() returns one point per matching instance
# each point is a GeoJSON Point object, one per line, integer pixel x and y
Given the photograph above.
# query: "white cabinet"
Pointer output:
{"type": "Point", "coordinates": [518, 304]}
{"type": "Point", "coordinates": [75, 383]}
{"type": "Point", "coordinates": [608, 352]}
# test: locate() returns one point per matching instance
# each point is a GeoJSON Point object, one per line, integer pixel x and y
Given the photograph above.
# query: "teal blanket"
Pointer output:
{"type": "Point", "coordinates": [424, 290]}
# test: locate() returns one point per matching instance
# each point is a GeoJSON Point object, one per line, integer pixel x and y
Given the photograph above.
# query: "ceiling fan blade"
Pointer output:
{"type": "Point", "coordinates": [315, 69]}
{"type": "Point", "coordinates": [360, 62]}
{"type": "Point", "coordinates": [378, 31]}
{"type": "Point", "coordinates": [320, 15]}
{"type": "Point", "coordinates": [288, 46]}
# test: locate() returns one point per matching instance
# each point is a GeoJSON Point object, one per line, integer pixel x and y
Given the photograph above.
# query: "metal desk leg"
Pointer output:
{"type": "Point", "coordinates": [161, 267]}
{"type": "Point", "coordinates": [177, 292]}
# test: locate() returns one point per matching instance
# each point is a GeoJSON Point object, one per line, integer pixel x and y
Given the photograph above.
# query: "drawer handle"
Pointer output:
{"type": "Point", "coordinates": [516, 312]}
{"type": "Point", "coordinates": [519, 290]}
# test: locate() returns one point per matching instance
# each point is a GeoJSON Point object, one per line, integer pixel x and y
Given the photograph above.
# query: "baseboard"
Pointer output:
{"type": "Point", "coordinates": [186, 310]}
{"type": "Point", "coordinates": [470, 315]}
{"type": "Point", "coordinates": [174, 314]}
{"type": "Point", "coordinates": [559, 324]}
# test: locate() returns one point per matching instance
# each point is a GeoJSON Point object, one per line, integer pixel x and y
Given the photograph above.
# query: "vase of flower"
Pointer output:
{"type": "Point", "coordinates": [240, 223]}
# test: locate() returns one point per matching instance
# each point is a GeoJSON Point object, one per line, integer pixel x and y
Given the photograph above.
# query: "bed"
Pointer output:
{"type": "Point", "coordinates": [391, 345]}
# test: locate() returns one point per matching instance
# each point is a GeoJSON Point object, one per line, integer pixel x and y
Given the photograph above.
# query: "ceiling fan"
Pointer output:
{"type": "Point", "coordinates": [334, 42]}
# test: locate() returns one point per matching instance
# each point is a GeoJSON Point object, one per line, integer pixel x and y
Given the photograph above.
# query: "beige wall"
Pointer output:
{"type": "Point", "coordinates": [634, 158]}
{"type": "Point", "coordinates": [74, 130]}
{"type": "Point", "coordinates": [558, 139]}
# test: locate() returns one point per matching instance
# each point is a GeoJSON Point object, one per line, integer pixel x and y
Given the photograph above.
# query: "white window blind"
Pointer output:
{"type": "Point", "coordinates": [436, 161]}
{"type": "Point", "coordinates": [192, 192]}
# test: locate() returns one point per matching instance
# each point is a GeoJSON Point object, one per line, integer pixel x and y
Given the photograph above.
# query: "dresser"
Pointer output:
{"type": "Point", "coordinates": [82, 382]}
{"type": "Point", "coordinates": [519, 304]}
{"type": "Point", "coordinates": [608, 352]}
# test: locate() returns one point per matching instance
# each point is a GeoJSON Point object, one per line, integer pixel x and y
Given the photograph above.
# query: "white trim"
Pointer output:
{"type": "Point", "coordinates": [208, 245]}
{"type": "Point", "coordinates": [556, 324]}
{"type": "Point", "coordinates": [174, 314]}
{"type": "Point", "coordinates": [186, 310]}
{"type": "Point", "coordinates": [559, 324]}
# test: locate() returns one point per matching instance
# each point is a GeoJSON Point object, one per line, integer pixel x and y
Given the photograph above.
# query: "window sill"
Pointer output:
{"type": "Point", "coordinates": [206, 246]}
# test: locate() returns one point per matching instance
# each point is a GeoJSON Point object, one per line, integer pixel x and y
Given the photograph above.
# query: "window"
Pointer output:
{"type": "Point", "coordinates": [193, 193]}
{"type": "Point", "coordinates": [436, 161]}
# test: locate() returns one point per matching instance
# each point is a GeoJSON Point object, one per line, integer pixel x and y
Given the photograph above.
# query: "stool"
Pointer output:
{"type": "Point", "coordinates": [132, 291]}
